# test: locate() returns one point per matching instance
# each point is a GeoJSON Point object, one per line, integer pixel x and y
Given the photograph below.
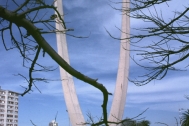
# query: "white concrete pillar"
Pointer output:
{"type": "Point", "coordinates": [119, 97]}
{"type": "Point", "coordinates": [69, 91]}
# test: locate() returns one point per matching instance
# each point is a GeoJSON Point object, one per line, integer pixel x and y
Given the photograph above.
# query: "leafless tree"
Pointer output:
{"type": "Point", "coordinates": [160, 41]}
{"type": "Point", "coordinates": [134, 121]}
{"type": "Point", "coordinates": [161, 53]}
{"type": "Point", "coordinates": [31, 19]}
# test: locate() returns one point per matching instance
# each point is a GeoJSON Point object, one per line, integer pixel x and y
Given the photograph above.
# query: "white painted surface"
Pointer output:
{"type": "Point", "coordinates": [69, 91]}
{"type": "Point", "coordinates": [118, 104]}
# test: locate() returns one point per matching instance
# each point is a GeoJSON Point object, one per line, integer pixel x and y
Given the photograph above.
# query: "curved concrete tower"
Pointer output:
{"type": "Point", "coordinates": [70, 96]}
{"type": "Point", "coordinates": [118, 104]}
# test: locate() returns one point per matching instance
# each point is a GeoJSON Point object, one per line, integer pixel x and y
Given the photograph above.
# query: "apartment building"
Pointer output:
{"type": "Point", "coordinates": [8, 108]}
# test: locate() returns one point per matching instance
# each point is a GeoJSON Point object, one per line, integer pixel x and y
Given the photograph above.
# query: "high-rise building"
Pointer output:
{"type": "Point", "coordinates": [8, 108]}
{"type": "Point", "coordinates": [53, 123]}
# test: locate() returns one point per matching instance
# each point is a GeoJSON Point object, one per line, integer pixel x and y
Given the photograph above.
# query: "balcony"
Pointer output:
{"type": "Point", "coordinates": [11, 99]}
{"type": "Point", "coordinates": [11, 102]}
{"type": "Point", "coordinates": [2, 106]}
{"type": "Point", "coordinates": [2, 97]}
{"type": "Point", "coordinates": [10, 111]}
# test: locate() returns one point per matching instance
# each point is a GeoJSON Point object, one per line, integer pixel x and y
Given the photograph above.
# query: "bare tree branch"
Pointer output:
{"type": "Point", "coordinates": [169, 44]}
{"type": "Point", "coordinates": [22, 19]}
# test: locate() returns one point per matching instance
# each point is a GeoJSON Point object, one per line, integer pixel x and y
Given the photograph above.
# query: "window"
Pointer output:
{"type": "Point", "coordinates": [1, 115]}
{"type": "Point", "coordinates": [16, 116]}
{"type": "Point", "coordinates": [10, 102]}
{"type": "Point", "coordinates": [9, 111]}
{"type": "Point", "coordinates": [2, 92]}
{"type": "Point", "coordinates": [1, 110]}
{"type": "Point", "coordinates": [9, 115]}
{"type": "Point", "coordinates": [16, 108]}
{"type": "Point", "coordinates": [9, 124]}
{"type": "Point", "coordinates": [1, 120]}
{"type": "Point", "coordinates": [9, 120]}
{"type": "Point", "coordinates": [10, 98]}
{"type": "Point", "coordinates": [16, 112]}
{"type": "Point", "coordinates": [11, 93]}
{"type": "Point", "coordinates": [16, 103]}
{"type": "Point", "coordinates": [2, 101]}
{"type": "Point", "coordinates": [3, 97]}
{"type": "Point", "coordinates": [2, 106]}
{"type": "Point", "coordinates": [10, 107]}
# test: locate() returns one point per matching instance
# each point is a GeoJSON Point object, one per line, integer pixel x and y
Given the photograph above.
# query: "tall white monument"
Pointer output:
{"type": "Point", "coordinates": [118, 104]}
{"type": "Point", "coordinates": [120, 93]}
{"type": "Point", "coordinates": [69, 91]}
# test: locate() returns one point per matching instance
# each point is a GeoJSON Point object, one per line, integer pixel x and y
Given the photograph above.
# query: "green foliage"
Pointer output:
{"type": "Point", "coordinates": [185, 118]}
{"type": "Point", "coordinates": [131, 122]}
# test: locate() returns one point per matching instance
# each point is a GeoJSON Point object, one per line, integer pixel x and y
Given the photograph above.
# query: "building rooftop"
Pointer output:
{"type": "Point", "coordinates": [8, 90]}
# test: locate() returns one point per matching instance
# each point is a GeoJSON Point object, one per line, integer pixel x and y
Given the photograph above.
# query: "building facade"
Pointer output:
{"type": "Point", "coordinates": [8, 108]}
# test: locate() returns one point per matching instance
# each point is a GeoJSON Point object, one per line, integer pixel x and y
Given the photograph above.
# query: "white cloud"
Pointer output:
{"type": "Point", "coordinates": [70, 4]}
{"type": "Point", "coordinates": [167, 94]}
{"type": "Point", "coordinates": [179, 83]}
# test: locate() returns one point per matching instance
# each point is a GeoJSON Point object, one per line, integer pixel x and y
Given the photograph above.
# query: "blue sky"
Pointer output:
{"type": "Point", "coordinates": [97, 57]}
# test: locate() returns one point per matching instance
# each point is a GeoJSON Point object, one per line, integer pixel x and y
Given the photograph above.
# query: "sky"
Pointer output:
{"type": "Point", "coordinates": [96, 56]}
